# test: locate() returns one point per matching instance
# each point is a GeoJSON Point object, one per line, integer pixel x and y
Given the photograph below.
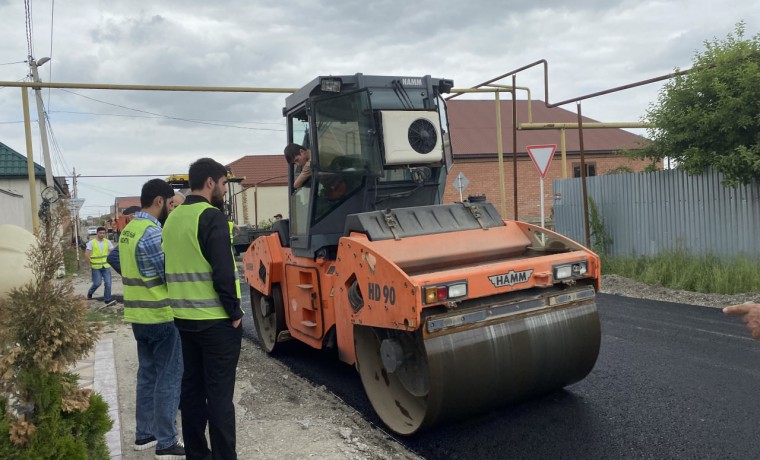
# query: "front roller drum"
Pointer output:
{"type": "Point", "coordinates": [414, 383]}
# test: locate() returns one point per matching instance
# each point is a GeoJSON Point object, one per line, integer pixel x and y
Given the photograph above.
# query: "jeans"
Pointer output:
{"type": "Point", "coordinates": [101, 275]}
{"type": "Point", "coordinates": [159, 380]}
{"type": "Point", "coordinates": [211, 357]}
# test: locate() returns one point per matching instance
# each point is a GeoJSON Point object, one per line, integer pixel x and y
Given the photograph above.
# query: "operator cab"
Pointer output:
{"type": "Point", "coordinates": [376, 142]}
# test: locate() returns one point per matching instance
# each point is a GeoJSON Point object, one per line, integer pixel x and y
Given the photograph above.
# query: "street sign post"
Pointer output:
{"type": "Point", "coordinates": [74, 205]}
{"type": "Point", "coordinates": [461, 183]}
{"type": "Point", "coordinates": [542, 157]}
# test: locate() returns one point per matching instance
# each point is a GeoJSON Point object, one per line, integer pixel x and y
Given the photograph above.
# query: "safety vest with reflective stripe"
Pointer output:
{"type": "Point", "coordinates": [146, 300]}
{"type": "Point", "coordinates": [98, 256]}
{"type": "Point", "coordinates": [188, 273]}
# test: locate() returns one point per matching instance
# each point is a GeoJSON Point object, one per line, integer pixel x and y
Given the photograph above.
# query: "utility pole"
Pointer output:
{"type": "Point", "coordinates": [41, 116]}
{"type": "Point", "coordinates": [76, 218]}
{"type": "Point", "coordinates": [74, 174]}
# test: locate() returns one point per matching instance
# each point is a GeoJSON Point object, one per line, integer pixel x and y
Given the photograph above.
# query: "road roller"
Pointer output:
{"type": "Point", "coordinates": [446, 310]}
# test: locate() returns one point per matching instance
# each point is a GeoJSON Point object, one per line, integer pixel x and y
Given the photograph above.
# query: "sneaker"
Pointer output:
{"type": "Point", "coordinates": [174, 452]}
{"type": "Point", "coordinates": [147, 443]}
{"type": "Point", "coordinates": [110, 303]}
{"type": "Point", "coordinates": [89, 297]}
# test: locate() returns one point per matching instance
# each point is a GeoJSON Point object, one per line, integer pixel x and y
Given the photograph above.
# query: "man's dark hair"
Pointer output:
{"type": "Point", "coordinates": [202, 170]}
{"type": "Point", "coordinates": [154, 188]}
{"type": "Point", "coordinates": [101, 229]}
{"type": "Point", "coordinates": [292, 151]}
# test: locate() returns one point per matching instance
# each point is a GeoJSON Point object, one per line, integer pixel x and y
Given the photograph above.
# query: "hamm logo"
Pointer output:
{"type": "Point", "coordinates": [511, 278]}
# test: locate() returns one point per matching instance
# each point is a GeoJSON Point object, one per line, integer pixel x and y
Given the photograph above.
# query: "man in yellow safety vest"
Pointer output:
{"type": "Point", "coordinates": [95, 253]}
{"type": "Point", "coordinates": [204, 292]}
{"type": "Point", "coordinates": [146, 306]}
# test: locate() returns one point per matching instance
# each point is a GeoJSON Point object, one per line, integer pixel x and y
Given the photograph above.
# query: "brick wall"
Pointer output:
{"type": "Point", "coordinates": [483, 176]}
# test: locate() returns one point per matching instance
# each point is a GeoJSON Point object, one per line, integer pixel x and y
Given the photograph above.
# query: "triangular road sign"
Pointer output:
{"type": "Point", "coordinates": [542, 157]}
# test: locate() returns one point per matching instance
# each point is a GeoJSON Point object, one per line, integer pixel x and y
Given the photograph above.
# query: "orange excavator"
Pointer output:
{"type": "Point", "coordinates": [445, 310]}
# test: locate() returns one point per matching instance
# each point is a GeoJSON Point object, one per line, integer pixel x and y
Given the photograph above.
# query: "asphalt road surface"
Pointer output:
{"type": "Point", "coordinates": [671, 381]}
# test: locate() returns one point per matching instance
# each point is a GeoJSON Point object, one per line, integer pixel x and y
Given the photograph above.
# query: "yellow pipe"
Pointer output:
{"type": "Point", "coordinates": [585, 125]}
{"type": "Point", "coordinates": [526, 89]}
{"type": "Point", "coordinates": [30, 161]}
{"type": "Point", "coordinates": [563, 149]}
{"type": "Point", "coordinates": [218, 89]}
{"type": "Point", "coordinates": [500, 153]}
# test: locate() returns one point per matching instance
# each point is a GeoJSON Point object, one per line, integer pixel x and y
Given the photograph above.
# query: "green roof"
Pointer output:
{"type": "Point", "coordinates": [13, 164]}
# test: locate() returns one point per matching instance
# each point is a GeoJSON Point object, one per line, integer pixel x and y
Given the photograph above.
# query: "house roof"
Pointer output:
{"type": "Point", "coordinates": [267, 170]}
{"type": "Point", "coordinates": [124, 202]}
{"type": "Point", "coordinates": [473, 129]}
{"type": "Point", "coordinates": [13, 164]}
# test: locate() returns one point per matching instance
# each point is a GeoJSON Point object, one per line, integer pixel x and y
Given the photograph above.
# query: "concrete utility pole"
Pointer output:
{"type": "Point", "coordinates": [76, 219]}
{"type": "Point", "coordinates": [41, 116]}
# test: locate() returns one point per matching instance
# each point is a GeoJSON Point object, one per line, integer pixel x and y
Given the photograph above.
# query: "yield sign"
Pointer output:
{"type": "Point", "coordinates": [542, 156]}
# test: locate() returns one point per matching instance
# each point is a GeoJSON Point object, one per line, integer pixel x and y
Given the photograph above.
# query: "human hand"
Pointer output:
{"type": "Point", "coordinates": [750, 313]}
{"type": "Point", "coordinates": [237, 322]}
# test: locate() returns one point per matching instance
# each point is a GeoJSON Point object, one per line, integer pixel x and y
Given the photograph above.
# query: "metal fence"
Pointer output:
{"type": "Point", "coordinates": [645, 213]}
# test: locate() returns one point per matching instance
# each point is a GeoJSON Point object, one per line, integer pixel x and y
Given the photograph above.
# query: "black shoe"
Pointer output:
{"type": "Point", "coordinates": [173, 452]}
{"type": "Point", "coordinates": [142, 444]}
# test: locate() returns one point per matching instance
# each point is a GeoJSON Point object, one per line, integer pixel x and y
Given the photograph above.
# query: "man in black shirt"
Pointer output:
{"type": "Point", "coordinates": [204, 292]}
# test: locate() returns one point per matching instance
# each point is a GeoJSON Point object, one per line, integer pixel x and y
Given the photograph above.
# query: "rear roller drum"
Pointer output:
{"type": "Point", "coordinates": [268, 317]}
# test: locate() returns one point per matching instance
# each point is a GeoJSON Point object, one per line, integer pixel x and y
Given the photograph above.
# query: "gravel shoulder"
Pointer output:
{"type": "Point", "coordinates": [280, 415]}
{"type": "Point", "coordinates": [618, 285]}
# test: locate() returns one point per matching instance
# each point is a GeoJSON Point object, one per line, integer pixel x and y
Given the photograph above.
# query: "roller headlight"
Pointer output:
{"type": "Point", "coordinates": [571, 270]}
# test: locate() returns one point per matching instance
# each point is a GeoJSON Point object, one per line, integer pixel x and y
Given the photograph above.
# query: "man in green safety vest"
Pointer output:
{"type": "Point", "coordinates": [140, 260]}
{"type": "Point", "coordinates": [95, 253]}
{"type": "Point", "coordinates": [204, 292]}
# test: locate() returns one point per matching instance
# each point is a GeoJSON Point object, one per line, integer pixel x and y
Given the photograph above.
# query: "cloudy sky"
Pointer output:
{"type": "Point", "coordinates": [590, 45]}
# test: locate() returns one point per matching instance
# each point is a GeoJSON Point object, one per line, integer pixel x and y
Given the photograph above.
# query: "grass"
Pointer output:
{"type": "Point", "coordinates": [110, 318]}
{"type": "Point", "coordinates": [70, 259]}
{"type": "Point", "coordinates": [680, 270]}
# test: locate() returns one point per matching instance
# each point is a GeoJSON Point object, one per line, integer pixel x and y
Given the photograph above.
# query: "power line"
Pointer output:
{"type": "Point", "coordinates": [124, 175]}
{"type": "Point", "coordinates": [50, 67]}
{"type": "Point", "coordinates": [102, 189]}
{"type": "Point", "coordinates": [170, 117]}
{"type": "Point", "coordinates": [56, 146]}
{"type": "Point", "coordinates": [159, 116]}
{"type": "Point", "coordinates": [17, 62]}
{"type": "Point", "coordinates": [28, 19]}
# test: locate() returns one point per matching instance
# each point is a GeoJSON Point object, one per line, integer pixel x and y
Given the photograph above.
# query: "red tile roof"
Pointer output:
{"type": "Point", "coordinates": [267, 170]}
{"type": "Point", "coordinates": [473, 129]}
{"type": "Point", "coordinates": [124, 202]}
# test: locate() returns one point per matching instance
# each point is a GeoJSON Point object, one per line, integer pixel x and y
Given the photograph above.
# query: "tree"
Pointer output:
{"type": "Point", "coordinates": [43, 332]}
{"type": "Point", "coordinates": [711, 115]}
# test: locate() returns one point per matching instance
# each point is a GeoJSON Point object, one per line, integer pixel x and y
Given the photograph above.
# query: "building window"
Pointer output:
{"type": "Point", "coordinates": [590, 169]}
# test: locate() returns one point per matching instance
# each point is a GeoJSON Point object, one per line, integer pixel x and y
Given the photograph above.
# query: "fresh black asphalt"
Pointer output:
{"type": "Point", "coordinates": [671, 381]}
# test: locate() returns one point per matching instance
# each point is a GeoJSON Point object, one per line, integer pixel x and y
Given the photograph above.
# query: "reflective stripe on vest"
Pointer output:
{"type": "Point", "coordinates": [146, 300]}
{"type": "Point", "coordinates": [98, 256]}
{"type": "Point", "coordinates": [188, 273]}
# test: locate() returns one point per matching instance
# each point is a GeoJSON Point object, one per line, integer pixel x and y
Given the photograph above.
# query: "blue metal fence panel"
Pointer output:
{"type": "Point", "coordinates": [645, 213]}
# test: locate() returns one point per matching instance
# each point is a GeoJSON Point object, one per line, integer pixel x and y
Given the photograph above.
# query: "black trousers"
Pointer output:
{"type": "Point", "coordinates": [210, 356]}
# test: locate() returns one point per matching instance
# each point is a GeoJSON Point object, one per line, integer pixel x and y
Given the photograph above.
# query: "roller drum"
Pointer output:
{"type": "Point", "coordinates": [473, 370]}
